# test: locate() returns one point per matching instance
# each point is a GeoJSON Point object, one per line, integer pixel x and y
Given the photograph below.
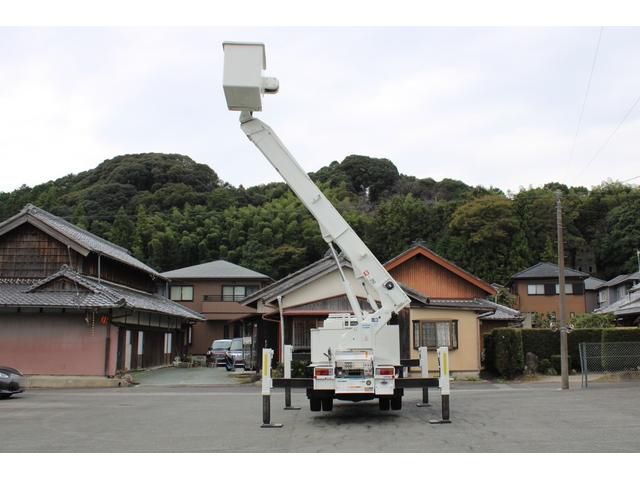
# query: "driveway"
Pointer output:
{"type": "Point", "coordinates": [171, 376]}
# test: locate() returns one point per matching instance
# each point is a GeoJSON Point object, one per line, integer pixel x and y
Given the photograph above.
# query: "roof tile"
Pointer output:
{"type": "Point", "coordinates": [215, 269]}
{"type": "Point", "coordinates": [94, 295]}
{"type": "Point", "coordinates": [548, 270]}
{"type": "Point", "coordinates": [82, 237]}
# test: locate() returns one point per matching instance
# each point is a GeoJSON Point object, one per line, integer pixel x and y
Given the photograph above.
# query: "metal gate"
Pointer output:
{"type": "Point", "coordinates": [620, 358]}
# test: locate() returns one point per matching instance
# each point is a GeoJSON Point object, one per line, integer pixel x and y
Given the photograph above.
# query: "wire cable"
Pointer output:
{"type": "Point", "coordinates": [606, 142]}
{"type": "Point", "coordinates": [584, 103]}
{"type": "Point", "coordinates": [629, 179]}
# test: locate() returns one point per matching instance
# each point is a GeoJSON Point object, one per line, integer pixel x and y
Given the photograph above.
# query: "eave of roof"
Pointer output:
{"type": "Point", "coordinates": [217, 269]}
{"type": "Point", "coordinates": [501, 312]}
{"type": "Point", "coordinates": [419, 248]}
{"type": "Point", "coordinates": [77, 238]}
{"type": "Point", "coordinates": [296, 279]}
{"type": "Point", "coordinates": [593, 283]}
{"type": "Point", "coordinates": [95, 294]}
{"type": "Point", "coordinates": [476, 305]}
{"type": "Point", "coordinates": [627, 277]}
{"type": "Point", "coordinates": [546, 270]}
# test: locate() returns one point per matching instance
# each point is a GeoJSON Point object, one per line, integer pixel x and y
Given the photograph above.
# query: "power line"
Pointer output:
{"type": "Point", "coordinates": [629, 179]}
{"type": "Point", "coordinates": [584, 103]}
{"type": "Point", "coordinates": [606, 142]}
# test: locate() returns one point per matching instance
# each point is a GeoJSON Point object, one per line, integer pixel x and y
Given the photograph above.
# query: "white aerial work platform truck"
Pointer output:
{"type": "Point", "coordinates": [355, 356]}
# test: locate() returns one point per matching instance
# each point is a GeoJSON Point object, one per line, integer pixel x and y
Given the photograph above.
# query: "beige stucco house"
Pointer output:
{"type": "Point", "coordinates": [449, 306]}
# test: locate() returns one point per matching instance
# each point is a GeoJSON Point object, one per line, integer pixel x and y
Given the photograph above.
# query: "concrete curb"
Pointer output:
{"type": "Point", "coordinates": [63, 381]}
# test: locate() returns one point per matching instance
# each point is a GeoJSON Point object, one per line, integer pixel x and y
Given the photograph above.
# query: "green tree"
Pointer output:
{"type": "Point", "coordinates": [123, 229]}
{"type": "Point", "coordinates": [369, 176]}
{"type": "Point", "coordinates": [488, 232]}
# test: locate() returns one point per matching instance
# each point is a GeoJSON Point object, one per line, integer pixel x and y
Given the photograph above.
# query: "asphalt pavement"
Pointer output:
{"type": "Point", "coordinates": [486, 418]}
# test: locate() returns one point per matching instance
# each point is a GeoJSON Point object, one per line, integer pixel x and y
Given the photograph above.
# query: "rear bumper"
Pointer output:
{"type": "Point", "coordinates": [351, 397]}
{"type": "Point", "coordinates": [12, 385]}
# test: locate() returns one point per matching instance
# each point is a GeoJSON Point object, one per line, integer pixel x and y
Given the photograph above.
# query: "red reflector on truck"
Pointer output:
{"type": "Point", "coordinates": [323, 372]}
{"type": "Point", "coordinates": [386, 371]}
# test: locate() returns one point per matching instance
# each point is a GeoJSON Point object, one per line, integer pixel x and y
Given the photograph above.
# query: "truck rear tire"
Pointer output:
{"type": "Point", "coordinates": [384, 404]}
{"type": "Point", "coordinates": [327, 404]}
{"type": "Point", "coordinates": [315, 404]}
{"type": "Point", "coordinates": [396, 403]}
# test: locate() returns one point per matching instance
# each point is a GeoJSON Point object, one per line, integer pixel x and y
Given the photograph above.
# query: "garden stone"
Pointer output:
{"type": "Point", "coordinates": [531, 363]}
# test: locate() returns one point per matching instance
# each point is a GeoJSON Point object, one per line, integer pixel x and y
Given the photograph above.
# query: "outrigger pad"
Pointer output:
{"type": "Point", "coordinates": [271, 425]}
{"type": "Point", "coordinates": [291, 408]}
{"type": "Point", "coordinates": [437, 422]}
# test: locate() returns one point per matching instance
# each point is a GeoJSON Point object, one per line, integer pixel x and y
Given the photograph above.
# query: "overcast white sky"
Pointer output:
{"type": "Point", "coordinates": [489, 106]}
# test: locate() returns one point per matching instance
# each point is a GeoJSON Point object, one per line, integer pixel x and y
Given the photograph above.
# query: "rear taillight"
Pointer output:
{"type": "Point", "coordinates": [385, 372]}
{"type": "Point", "coordinates": [322, 372]}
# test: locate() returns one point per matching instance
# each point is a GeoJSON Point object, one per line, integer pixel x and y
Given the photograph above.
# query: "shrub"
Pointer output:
{"type": "Point", "coordinates": [541, 341]}
{"type": "Point", "coordinates": [555, 363]}
{"type": "Point", "coordinates": [544, 365]}
{"type": "Point", "coordinates": [489, 353]}
{"type": "Point", "coordinates": [509, 355]}
{"type": "Point", "coordinates": [616, 356]}
{"type": "Point", "coordinates": [578, 336]}
{"type": "Point", "coordinates": [506, 298]}
{"type": "Point", "coordinates": [621, 335]}
{"type": "Point", "coordinates": [594, 320]}
{"type": "Point", "coordinates": [298, 370]}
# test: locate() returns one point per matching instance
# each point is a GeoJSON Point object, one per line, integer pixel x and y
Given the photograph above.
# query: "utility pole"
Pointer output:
{"type": "Point", "coordinates": [564, 359]}
{"type": "Point", "coordinates": [638, 255]}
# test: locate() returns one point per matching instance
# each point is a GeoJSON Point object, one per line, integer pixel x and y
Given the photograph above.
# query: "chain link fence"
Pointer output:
{"type": "Point", "coordinates": [619, 358]}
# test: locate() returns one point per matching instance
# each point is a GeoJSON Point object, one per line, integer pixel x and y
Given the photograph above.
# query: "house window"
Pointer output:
{"type": "Point", "coordinates": [568, 289]}
{"type": "Point", "coordinates": [535, 289]}
{"type": "Point", "coordinates": [235, 293]}
{"type": "Point", "coordinates": [182, 293]}
{"type": "Point", "coordinates": [602, 296]}
{"type": "Point", "coordinates": [168, 339]}
{"type": "Point", "coordinates": [433, 334]}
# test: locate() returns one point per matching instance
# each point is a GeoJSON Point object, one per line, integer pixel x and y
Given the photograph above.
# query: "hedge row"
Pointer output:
{"type": "Point", "coordinates": [509, 357]}
{"type": "Point", "coordinates": [621, 335]}
{"type": "Point", "coordinates": [505, 348]}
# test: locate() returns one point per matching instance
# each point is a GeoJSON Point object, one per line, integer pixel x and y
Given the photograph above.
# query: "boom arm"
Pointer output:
{"type": "Point", "coordinates": [334, 228]}
{"type": "Point", "coordinates": [244, 87]}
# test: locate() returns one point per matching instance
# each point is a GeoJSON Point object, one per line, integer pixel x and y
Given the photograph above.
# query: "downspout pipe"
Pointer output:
{"type": "Point", "coordinates": [107, 349]}
{"type": "Point", "coordinates": [281, 352]}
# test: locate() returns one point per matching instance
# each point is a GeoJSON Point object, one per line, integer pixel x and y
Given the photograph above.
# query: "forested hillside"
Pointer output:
{"type": "Point", "coordinates": [173, 212]}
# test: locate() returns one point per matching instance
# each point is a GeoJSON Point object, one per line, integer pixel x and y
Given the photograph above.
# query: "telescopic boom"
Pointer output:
{"type": "Point", "coordinates": [244, 87]}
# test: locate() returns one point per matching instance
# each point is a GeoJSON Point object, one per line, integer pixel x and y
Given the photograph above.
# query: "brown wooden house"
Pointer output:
{"type": "Point", "coordinates": [72, 303]}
